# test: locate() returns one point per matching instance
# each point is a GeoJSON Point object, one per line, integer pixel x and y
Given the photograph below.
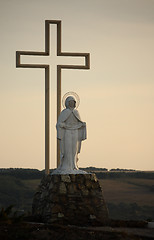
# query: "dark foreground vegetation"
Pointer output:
{"type": "Point", "coordinates": [36, 231]}
{"type": "Point", "coordinates": [16, 227]}
{"type": "Point", "coordinates": [129, 194]}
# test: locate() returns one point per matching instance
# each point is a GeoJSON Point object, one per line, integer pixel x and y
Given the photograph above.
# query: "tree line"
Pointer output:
{"type": "Point", "coordinates": [25, 173]}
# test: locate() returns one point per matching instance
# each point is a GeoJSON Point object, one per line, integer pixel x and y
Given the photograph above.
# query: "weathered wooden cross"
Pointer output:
{"type": "Point", "coordinates": [47, 82]}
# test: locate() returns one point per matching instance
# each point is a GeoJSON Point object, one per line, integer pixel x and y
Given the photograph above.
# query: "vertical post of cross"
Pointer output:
{"type": "Point", "coordinates": [47, 101]}
{"type": "Point", "coordinates": [58, 86]}
{"type": "Point", "coordinates": [58, 108]}
{"type": "Point", "coordinates": [47, 120]}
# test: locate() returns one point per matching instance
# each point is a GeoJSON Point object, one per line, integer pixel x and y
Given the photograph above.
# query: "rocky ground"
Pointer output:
{"type": "Point", "coordinates": [70, 199]}
{"type": "Point", "coordinates": [40, 231]}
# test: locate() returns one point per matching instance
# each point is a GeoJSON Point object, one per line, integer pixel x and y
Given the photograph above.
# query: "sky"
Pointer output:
{"type": "Point", "coordinates": [116, 94]}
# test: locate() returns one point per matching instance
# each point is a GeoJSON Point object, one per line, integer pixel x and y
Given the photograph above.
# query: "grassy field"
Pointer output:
{"type": "Point", "coordinates": [129, 198]}
{"type": "Point", "coordinates": [31, 184]}
{"type": "Point", "coordinates": [128, 191]}
{"type": "Point", "coordinates": [126, 197]}
{"type": "Point", "coordinates": [118, 190]}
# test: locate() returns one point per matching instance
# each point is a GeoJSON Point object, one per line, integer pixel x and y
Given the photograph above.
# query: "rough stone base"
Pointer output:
{"type": "Point", "coordinates": [70, 199]}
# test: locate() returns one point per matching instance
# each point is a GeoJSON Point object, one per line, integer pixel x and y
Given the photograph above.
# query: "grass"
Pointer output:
{"type": "Point", "coordinates": [31, 184]}
{"type": "Point", "coordinates": [126, 197]}
{"type": "Point", "coordinates": [128, 190]}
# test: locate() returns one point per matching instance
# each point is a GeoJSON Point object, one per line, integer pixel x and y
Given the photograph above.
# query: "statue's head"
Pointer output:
{"type": "Point", "coordinates": [70, 102]}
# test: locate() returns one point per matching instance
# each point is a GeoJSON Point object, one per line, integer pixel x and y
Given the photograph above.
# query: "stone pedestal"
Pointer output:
{"type": "Point", "coordinates": [70, 199]}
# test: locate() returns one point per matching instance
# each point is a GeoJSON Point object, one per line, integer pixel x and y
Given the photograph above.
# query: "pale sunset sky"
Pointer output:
{"type": "Point", "coordinates": [116, 94]}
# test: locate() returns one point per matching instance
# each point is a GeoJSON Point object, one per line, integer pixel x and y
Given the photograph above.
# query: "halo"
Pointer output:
{"type": "Point", "coordinates": [73, 94]}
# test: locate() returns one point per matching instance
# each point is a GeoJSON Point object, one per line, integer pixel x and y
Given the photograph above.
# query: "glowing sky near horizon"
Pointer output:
{"type": "Point", "coordinates": [117, 93]}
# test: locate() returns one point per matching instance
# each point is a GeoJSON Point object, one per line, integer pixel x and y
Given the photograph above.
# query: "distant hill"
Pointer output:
{"type": "Point", "coordinates": [22, 173]}
{"type": "Point", "coordinates": [128, 194]}
{"type": "Point", "coordinates": [26, 173]}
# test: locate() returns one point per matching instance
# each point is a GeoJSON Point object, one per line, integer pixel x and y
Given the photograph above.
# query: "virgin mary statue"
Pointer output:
{"type": "Point", "coordinates": [71, 131]}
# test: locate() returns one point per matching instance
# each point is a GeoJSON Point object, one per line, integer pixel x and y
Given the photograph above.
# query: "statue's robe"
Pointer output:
{"type": "Point", "coordinates": [70, 137]}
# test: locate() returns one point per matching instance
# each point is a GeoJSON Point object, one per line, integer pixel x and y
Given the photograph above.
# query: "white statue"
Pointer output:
{"type": "Point", "coordinates": [71, 131]}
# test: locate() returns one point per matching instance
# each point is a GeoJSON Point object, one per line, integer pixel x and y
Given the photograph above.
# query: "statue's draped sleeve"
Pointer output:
{"type": "Point", "coordinates": [61, 119]}
{"type": "Point", "coordinates": [82, 134]}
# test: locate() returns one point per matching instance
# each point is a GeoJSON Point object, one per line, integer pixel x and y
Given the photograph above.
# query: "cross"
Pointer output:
{"type": "Point", "coordinates": [47, 82]}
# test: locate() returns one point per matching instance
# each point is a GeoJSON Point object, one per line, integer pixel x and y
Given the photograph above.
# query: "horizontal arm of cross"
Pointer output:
{"type": "Point", "coordinates": [21, 53]}
{"type": "Point", "coordinates": [85, 55]}
{"type": "Point", "coordinates": [28, 53]}
{"type": "Point", "coordinates": [47, 50]}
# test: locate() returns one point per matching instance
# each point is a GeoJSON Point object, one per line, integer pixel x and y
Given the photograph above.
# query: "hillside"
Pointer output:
{"type": "Point", "coordinates": [128, 194]}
